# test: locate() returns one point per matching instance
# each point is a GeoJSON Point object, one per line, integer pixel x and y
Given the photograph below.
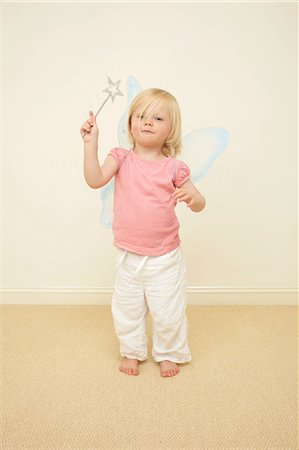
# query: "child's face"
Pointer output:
{"type": "Point", "coordinates": [151, 130]}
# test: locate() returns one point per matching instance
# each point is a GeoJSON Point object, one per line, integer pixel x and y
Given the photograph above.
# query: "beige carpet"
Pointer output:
{"type": "Point", "coordinates": [63, 390]}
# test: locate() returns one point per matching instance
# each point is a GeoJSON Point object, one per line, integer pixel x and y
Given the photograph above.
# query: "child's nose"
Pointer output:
{"type": "Point", "coordinates": [148, 121]}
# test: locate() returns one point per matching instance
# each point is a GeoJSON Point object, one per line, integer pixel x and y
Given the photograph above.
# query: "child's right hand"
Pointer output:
{"type": "Point", "coordinates": [89, 130]}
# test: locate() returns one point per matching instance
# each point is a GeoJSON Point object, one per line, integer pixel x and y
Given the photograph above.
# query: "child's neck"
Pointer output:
{"type": "Point", "coordinates": [151, 154]}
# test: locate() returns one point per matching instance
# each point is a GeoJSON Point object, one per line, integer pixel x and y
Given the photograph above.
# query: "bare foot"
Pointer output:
{"type": "Point", "coordinates": [129, 366]}
{"type": "Point", "coordinates": [168, 369]}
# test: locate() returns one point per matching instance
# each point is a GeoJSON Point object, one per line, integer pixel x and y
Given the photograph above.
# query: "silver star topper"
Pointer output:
{"type": "Point", "coordinates": [112, 90]}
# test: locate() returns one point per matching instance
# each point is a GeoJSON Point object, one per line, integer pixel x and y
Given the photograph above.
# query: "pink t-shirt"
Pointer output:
{"type": "Point", "coordinates": [144, 219]}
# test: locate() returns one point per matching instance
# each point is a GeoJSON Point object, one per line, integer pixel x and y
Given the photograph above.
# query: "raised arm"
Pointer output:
{"type": "Point", "coordinates": [96, 176]}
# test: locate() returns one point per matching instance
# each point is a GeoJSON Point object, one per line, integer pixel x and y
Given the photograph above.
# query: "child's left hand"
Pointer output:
{"type": "Point", "coordinates": [182, 195]}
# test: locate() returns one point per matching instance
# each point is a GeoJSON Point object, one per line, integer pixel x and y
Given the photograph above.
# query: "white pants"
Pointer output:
{"type": "Point", "coordinates": [155, 284]}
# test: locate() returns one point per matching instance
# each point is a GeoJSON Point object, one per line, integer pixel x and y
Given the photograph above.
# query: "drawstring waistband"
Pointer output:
{"type": "Point", "coordinates": [139, 267]}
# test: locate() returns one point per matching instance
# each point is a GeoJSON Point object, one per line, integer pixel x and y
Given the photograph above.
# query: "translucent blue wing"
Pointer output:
{"type": "Point", "coordinates": [106, 193]}
{"type": "Point", "coordinates": [133, 87]}
{"type": "Point", "coordinates": [201, 148]}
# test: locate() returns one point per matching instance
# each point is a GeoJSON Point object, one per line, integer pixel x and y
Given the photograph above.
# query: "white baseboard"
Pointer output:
{"type": "Point", "coordinates": [203, 295]}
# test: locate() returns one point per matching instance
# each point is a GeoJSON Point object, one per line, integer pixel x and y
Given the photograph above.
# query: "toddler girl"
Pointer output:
{"type": "Point", "coordinates": [150, 266]}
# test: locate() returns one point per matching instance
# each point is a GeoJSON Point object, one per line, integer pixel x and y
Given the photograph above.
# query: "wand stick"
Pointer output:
{"type": "Point", "coordinates": [102, 105]}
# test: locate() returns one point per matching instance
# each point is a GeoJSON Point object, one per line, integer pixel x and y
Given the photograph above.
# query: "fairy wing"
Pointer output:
{"type": "Point", "coordinates": [107, 204]}
{"type": "Point", "coordinates": [133, 88]}
{"type": "Point", "coordinates": [201, 148]}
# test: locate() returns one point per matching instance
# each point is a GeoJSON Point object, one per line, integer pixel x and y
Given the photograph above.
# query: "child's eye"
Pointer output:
{"type": "Point", "coordinates": [158, 118]}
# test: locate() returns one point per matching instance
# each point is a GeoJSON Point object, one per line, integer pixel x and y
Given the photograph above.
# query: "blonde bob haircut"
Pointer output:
{"type": "Point", "coordinates": [148, 101]}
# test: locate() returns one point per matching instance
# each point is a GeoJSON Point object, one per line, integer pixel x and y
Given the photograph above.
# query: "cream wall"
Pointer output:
{"type": "Point", "coordinates": [231, 65]}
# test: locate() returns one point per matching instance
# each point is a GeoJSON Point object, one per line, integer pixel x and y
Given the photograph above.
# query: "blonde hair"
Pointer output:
{"type": "Point", "coordinates": [148, 100]}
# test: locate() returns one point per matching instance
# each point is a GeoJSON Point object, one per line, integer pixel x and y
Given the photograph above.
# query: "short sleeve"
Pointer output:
{"type": "Point", "coordinates": [182, 174]}
{"type": "Point", "coordinates": [119, 154]}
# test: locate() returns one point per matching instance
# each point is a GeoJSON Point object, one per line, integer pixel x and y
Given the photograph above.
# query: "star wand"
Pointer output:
{"type": "Point", "coordinates": [113, 91]}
